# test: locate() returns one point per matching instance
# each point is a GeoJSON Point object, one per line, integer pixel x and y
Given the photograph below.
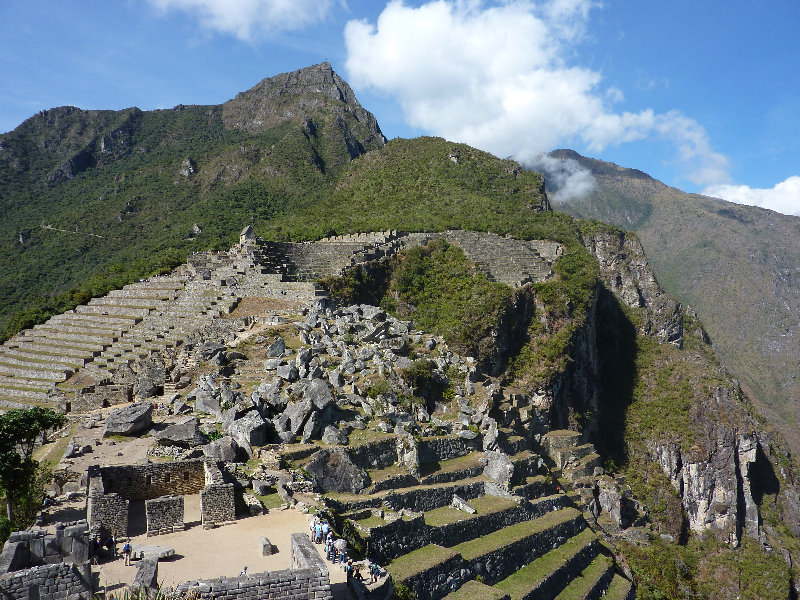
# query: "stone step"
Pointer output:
{"type": "Point", "coordinates": [88, 348]}
{"type": "Point", "coordinates": [34, 363]}
{"type": "Point", "coordinates": [136, 302]}
{"type": "Point", "coordinates": [550, 573]}
{"type": "Point", "coordinates": [48, 347]}
{"type": "Point", "coordinates": [71, 361]}
{"type": "Point", "coordinates": [512, 547]}
{"type": "Point", "coordinates": [70, 326]}
{"type": "Point", "coordinates": [591, 583]}
{"type": "Point", "coordinates": [22, 393]}
{"type": "Point", "coordinates": [582, 468]}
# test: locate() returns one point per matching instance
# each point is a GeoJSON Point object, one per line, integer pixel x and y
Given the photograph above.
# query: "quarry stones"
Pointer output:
{"type": "Point", "coordinates": [129, 420]}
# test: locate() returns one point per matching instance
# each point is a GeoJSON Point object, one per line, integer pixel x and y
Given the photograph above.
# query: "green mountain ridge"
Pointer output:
{"type": "Point", "coordinates": [735, 265]}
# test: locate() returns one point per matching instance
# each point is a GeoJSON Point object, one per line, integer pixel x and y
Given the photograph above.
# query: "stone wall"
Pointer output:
{"type": "Point", "coordinates": [375, 455]}
{"type": "Point", "coordinates": [307, 579]}
{"type": "Point", "coordinates": [48, 582]}
{"type": "Point", "coordinates": [35, 547]}
{"type": "Point", "coordinates": [445, 448]}
{"type": "Point", "coordinates": [164, 515]}
{"type": "Point", "coordinates": [495, 565]}
{"type": "Point", "coordinates": [217, 504]}
{"type": "Point", "coordinates": [145, 482]}
{"type": "Point", "coordinates": [107, 513]}
{"type": "Point", "coordinates": [101, 397]}
{"type": "Point", "coordinates": [427, 499]}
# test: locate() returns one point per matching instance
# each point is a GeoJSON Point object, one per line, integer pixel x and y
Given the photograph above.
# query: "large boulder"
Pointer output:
{"type": "Point", "coordinates": [129, 420]}
{"type": "Point", "coordinates": [499, 468]}
{"type": "Point", "coordinates": [334, 436]}
{"type": "Point", "coordinates": [332, 470]}
{"type": "Point", "coordinates": [251, 428]}
{"type": "Point", "coordinates": [185, 433]}
{"type": "Point", "coordinates": [298, 414]}
{"type": "Point", "coordinates": [150, 379]}
{"type": "Point", "coordinates": [207, 402]}
{"type": "Point", "coordinates": [319, 393]}
{"type": "Point", "coordinates": [222, 450]}
{"type": "Point", "coordinates": [276, 348]}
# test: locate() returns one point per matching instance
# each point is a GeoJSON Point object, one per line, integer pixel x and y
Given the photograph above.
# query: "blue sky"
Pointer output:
{"type": "Point", "coordinates": [704, 95]}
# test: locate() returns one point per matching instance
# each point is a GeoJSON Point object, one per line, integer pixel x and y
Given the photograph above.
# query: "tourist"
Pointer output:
{"type": "Point", "coordinates": [318, 533]}
{"type": "Point", "coordinates": [126, 553]}
{"type": "Point", "coordinates": [341, 549]}
{"type": "Point", "coordinates": [243, 572]}
{"type": "Point", "coordinates": [330, 551]}
{"type": "Point", "coordinates": [374, 572]}
{"type": "Point", "coordinates": [326, 528]}
{"type": "Point", "coordinates": [348, 569]}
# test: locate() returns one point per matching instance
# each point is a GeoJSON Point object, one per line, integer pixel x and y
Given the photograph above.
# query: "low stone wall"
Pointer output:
{"type": "Point", "coordinates": [217, 504]}
{"type": "Point", "coordinates": [374, 455]}
{"type": "Point", "coordinates": [307, 579]}
{"type": "Point", "coordinates": [445, 448]}
{"type": "Point", "coordinates": [34, 547]}
{"type": "Point", "coordinates": [48, 582]}
{"type": "Point", "coordinates": [164, 515]}
{"type": "Point", "coordinates": [427, 499]}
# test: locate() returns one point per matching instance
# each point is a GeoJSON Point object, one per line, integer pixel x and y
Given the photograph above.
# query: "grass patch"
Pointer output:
{"type": "Point", "coordinates": [483, 505]}
{"type": "Point", "coordinates": [579, 587]}
{"type": "Point", "coordinates": [418, 561]}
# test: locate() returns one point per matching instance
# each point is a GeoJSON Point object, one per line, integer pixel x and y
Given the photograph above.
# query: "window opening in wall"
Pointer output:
{"type": "Point", "coordinates": [149, 480]}
{"type": "Point", "coordinates": [166, 478]}
{"type": "Point", "coordinates": [130, 480]}
{"type": "Point", "coordinates": [186, 477]}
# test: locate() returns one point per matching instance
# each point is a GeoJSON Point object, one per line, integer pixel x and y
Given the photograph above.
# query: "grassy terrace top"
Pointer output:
{"type": "Point", "coordinates": [518, 584]}
{"type": "Point", "coordinates": [346, 497]}
{"type": "Point", "coordinates": [475, 589]}
{"type": "Point", "coordinates": [483, 505]}
{"type": "Point", "coordinates": [503, 537]}
{"type": "Point", "coordinates": [418, 561]}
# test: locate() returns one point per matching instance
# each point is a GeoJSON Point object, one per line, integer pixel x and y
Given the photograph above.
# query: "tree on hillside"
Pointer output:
{"type": "Point", "coordinates": [19, 431]}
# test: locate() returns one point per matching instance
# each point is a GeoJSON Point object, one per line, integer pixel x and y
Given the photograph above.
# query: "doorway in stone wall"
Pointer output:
{"type": "Point", "coordinates": [137, 518]}
{"type": "Point", "coordinates": [192, 514]}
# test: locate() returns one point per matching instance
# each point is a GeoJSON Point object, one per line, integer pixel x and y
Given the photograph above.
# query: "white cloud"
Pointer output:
{"type": "Point", "coordinates": [784, 197]}
{"type": "Point", "coordinates": [499, 77]}
{"type": "Point", "coordinates": [249, 19]}
{"type": "Point", "coordinates": [565, 178]}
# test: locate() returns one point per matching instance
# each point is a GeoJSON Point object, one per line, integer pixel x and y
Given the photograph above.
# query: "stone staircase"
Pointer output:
{"type": "Point", "coordinates": [529, 542]}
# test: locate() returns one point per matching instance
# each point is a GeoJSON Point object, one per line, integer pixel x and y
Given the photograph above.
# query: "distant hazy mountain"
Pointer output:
{"type": "Point", "coordinates": [737, 266]}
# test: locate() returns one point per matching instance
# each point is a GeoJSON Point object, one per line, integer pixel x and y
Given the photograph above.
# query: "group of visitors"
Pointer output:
{"type": "Point", "coordinates": [107, 550]}
{"type": "Point", "coordinates": [336, 552]}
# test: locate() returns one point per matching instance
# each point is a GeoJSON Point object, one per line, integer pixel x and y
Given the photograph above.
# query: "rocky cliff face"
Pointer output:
{"type": "Point", "coordinates": [718, 465]}
{"type": "Point", "coordinates": [306, 96]}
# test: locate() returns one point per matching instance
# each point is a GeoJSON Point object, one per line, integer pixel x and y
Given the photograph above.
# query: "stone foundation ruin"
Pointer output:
{"type": "Point", "coordinates": [162, 486]}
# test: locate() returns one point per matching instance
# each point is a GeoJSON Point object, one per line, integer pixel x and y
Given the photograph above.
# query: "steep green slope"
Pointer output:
{"type": "Point", "coordinates": [93, 199]}
{"type": "Point", "coordinates": [735, 265]}
{"type": "Point", "coordinates": [424, 184]}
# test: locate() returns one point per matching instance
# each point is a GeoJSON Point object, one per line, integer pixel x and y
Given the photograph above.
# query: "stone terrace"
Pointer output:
{"type": "Point", "coordinates": [128, 324]}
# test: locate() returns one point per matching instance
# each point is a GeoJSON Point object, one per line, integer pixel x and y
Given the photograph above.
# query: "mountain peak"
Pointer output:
{"type": "Point", "coordinates": [296, 96]}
